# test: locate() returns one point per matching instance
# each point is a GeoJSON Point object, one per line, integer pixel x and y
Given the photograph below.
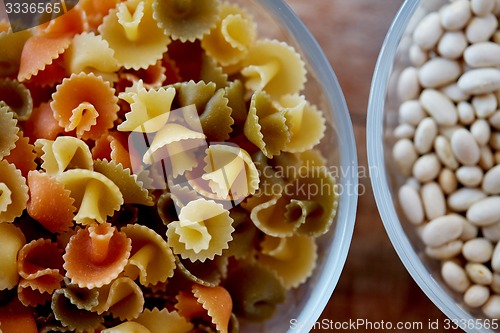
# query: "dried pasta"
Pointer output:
{"type": "Point", "coordinates": [233, 36]}
{"type": "Point", "coordinates": [23, 155]}
{"type": "Point", "coordinates": [163, 321]}
{"type": "Point", "coordinates": [64, 153]}
{"type": "Point", "coordinates": [148, 249]}
{"type": "Point", "coordinates": [152, 77]}
{"type": "Point", "coordinates": [42, 124]}
{"type": "Point", "coordinates": [12, 45]}
{"type": "Point", "coordinates": [122, 298]}
{"type": "Point", "coordinates": [13, 192]}
{"type": "Point", "coordinates": [134, 35]}
{"type": "Point", "coordinates": [267, 215]}
{"type": "Point", "coordinates": [12, 240]}
{"type": "Point", "coordinates": [217, 301]}
{"type": "Point", "coordinates": [71, 23]}
{"type": "Point", "coordinates": [186, 20]}
{"type": "Point", "coordinates": [86, 104]}
{"type": "Point", "coordinates": [202, 232]}
{"type": "Point", "coordinates": [17, 97]}
{"type": "Point", "coordinates": [208, 273]}
{"type": "Point", "coordinates": [9, 130]}
{"type": "Point", "coordinates": [113, 147]}
{"type": "Point", "coordinates": [96, 255]}
{"type": "Point", "coordinates": [96, 10]}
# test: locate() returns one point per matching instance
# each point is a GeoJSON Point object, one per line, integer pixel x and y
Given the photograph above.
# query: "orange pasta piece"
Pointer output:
{"type": "Point", "coordinates": [38, 52]}
{"type": "Point", "coordinates": [85, 103]}
{"type": "Point", "coordinates": [188, 306]}
{"type": "Point", "coordinates": [218, 303]}
{"type": "Point", "coordinates": [15, 318]}
{"type": "Point", "coordinates": [112, 146]}
{"type": "Point", "coordinates": [71, 23]}
{"type": "Point", "coordinates": [51, 75]}
{"type": "Point", "coordinates": [50, 203]}
{"type": "Point", "coordinates": [96, 255]}
{"type": "Point", "coordinates": [42, 124]}
{"type": "Point", "coordinates": [23, 155]}
{"type": "Point", "coordinates": [29, 295]}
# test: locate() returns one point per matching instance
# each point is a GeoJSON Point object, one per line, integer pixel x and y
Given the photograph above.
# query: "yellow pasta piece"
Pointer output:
{"type": "Point", "coordinates": [134, 35]}
{"type": "Point", "coordinates": [64, 153]}
{"type": "Point", "coordinates": [232, 37]}
{"type": "Point", "coordinates": [267, 215]}
{"type": "Point", "coordinates": [12, 240]}
{"type": "Point", "coordinates": [266, 125]}
{"type": "Point", "coordinates": [148, 249]}
{"type": "Point", "coordinates": [122, 298]}
{"type": "Point", "coordinates": [130, 187]}
{"type": "Point", "coordinates": [89, 53]}
{"type": "Point", "coordinates": [211, 72]}
{"type": "Point", "coordinates": [292, 258]}
{"type": "Point", "coordinates": [149, 109]}
{"type": "Point", "coordinates": [202, 232]}
{"type": "Point", "coordinates": [11, 45]}
{"type": "Point", "coordinates": [96, 196]}
{"type": "Point", "coordinates": [230, 172]}
{"type": "Point", "coordinates": [9, 130]}
{"type": "Point", "coordinates": [17, 97]}
{"type": "Point", "coordinates": [208, 273]}
{"type": "Point", "coordinates": [186, 20]}
{"type": "Point", "coordinates": [13, 192]}
{"type": "Point", "coordinates": [275, 67]}
{"type": "Point", "coordinates": [163, 321]}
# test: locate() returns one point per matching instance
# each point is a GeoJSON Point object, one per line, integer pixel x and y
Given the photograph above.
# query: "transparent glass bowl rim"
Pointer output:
{"type": "Point", "coordinates": [346, 215]}
{"type": "Point", "coordinates": [380, 184]}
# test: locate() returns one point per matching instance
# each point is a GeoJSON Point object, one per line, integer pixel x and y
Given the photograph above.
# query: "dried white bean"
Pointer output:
{"type": "Point", "coordinates": [452, 44]}
{"type": "Point", "coordinates": [491, 181]}
{"type": "Point", "coordinates": [438, 72]}
{"type": "Point", "coordinates": [495, 260]}
{"type": "Point", "coordinates": [426, 168]}
{"type": "Point", "coordinates": [448, 181]}
{"type": "Point", "coordinates": [495, 284]}
{"type": "Point", "coordinates": [411, 112]}
{"type": "Point", "coordinates": [428, 31]}
{"type": "Point", "coordinates": [439, 106]}
{"type": "Point", "coordinates": [476, 296]}
{"type": "Point", "coordinates": [480, 81]}
{"type": "Point", "coordinates": [425, 134]}
{"type": "Point", "coordinates": [482, 7]}
{"type": "Point", "coordinates": [495, 140]}
{"type": "Point", "coordinates": [481, 131]}
{"type": "Point", "coordinates": [404, 155]}
{"type": "Point", "coordinates": [465, 147]}
{"type": "Point", "coordinates": [466, 113]}
{"type": "Point", "coordinates": [411, 204]}
{"type": "Point", "coordinates": [481, 28]}
{"type": "Point", "coordinates": [484, 105]}
{"type": "Point", "coordinates": [404, 131]}
{"type": "Point", "coordinates": [492, 232]}
{"type": "Point", "coordinates": [485, 211]}
{"type": "Point", "coordinates": [470, 231]}
{"type": "Point", "coordinates": [455, 15]}
{"type": "Point", "coordinates": [470, 176]}
{"type": "Point", "coordinates": [486, 160]}
{"type": "Point", "coordinates": [455, 276]}
{"type": "Point", "coordinates": [408, 84]}
{"type": "Point", "coordinates": [442, 230]}
{"type": "Point", "coordinates": [453, 92]}
{"type": "Point", "coordinates": [417, 56]}
{"type": "Point", "coordinates": [447, 131]}
{"type": "Point", "coordinates": [494, 120]}
{"type": "Point", "coordinates": [433, 200]}
{"type": "Point", "coordinates": [463, 198]}
{"type": "Point", "coordinates": [484, 54]}
{"type": "Point", "coordinates": [479, 273]}
{"type": "Point", "coordinates": [445, 251]}
{"type": "Point", "coordinates": [477, 250]}
{"type": "Point", "coordinates": [492, 307]}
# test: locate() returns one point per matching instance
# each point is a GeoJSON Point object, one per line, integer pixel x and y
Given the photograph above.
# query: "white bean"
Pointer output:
{"type": "Point", "coordinates": [452, 44]}
{"type": "Point", "coordinates": [492, 232]}
{"type": "Point", "coordinates": [466, 113]}
{"type": "Point", "coordinates": [477, 250]}
{"type": "Point", "coordinates": [495, 260]}
{"type": "Point", "coordinates": [447, 180]}
{"type": "Point", "coordinates": [486, 160]}
{"type": "Point", "coordinates": [481, 28]}
{"type": "Point", "coordinates": [465, 147]}
{"type": "Point", "coordinates": [446, 251]}
{"type": "Point", "coordinates": [404, 131]}
{"type": "Point", "coordinates": [482, 7]}
{"type": "Point", "coordinates": [476, 296]}
{"type": "Point", "coordinates": [491, 181]}
{"type": "Point", "coordinates": [481, 131]}
{"type": "Point", "coordinates": [494, 120]}
{"type": "Point", "coordinates": [411, 112]}
{"type": "Point", "coordinates": [455, 15]}
{"type": "Point", "coordinates": [455, 276]}
{"type": "Point", "coordinates": [484, 105]}
{"type": "Point", "coordinates": [439, 106]}
{"type": "Point", "coordinates": [485, 211]}
{"type": "Point", "coordinates": [453, 92]}
{"type": "Point", "coordinates": [408, 84]}
{"type": "Point", "coordinates": [470, 231]}
{"type": "Point", "coordinates": [417, 56]}
{"type": "Point", "coordinates": [495, 140]}
{"type": "Point", "coordinates": [433, 200]}
{"type": "Point", "coordinates": [426, 168]}
{"type": "Point", "coordinates": [428, 31]}
{"type": "Point", "coordinates": [483, 54]}
{"type": "Point", "coordinates": [480, 81]}
{"type": "Point", "coordinates": [492, 307]}
{"type": "Point", "coordinates": [469, 176]}
{"type": "Point", "coordinates": [404, 155]}
{"type": "Point", "coordinates": [425, 134]}
{"type": "Point", "coordinates": [411, 204]}
{"type": "Point", "coordinates": [442, 230]}
{"type": "Point", "coordinates": [438, 72]}
{"type": "Point", "coordinates": [495, 284]}
{"type": "Point", "coordinates": [479, 273]}
{"type": "Point", "coordinates": [463, 198]}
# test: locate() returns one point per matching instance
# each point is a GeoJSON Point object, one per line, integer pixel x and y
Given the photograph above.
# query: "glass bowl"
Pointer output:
{"type": "Point", "coordinates": [386, 178]}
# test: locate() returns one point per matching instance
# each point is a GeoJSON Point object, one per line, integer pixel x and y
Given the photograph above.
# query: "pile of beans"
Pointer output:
{"type": "Point", "coordinates": [448, 145]}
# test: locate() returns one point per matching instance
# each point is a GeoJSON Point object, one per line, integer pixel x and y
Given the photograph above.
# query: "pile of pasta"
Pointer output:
{"type": "Point", "coordinates": [92, 240]}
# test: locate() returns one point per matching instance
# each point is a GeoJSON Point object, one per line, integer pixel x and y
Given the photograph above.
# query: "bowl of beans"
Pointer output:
{"type": "Point", "coordinates": [170, 166]}
{"type": "Point", "coordinates": [433, 149]}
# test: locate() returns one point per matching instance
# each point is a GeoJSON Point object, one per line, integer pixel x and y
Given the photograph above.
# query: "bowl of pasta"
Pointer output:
{"type": "Point", "coordinates": [171, 166]}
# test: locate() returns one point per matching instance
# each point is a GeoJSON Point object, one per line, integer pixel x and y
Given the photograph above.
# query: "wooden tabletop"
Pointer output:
{"type": "Point", "coordinates": [374, 284]}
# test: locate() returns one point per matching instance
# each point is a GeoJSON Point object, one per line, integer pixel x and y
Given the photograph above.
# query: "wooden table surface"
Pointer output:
{"type": "Point", "coordinates": [374, 284]}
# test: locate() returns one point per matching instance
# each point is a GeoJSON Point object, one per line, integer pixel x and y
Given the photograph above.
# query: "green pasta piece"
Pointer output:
{"type": "Point", "coordinates": [211, 72]}
{"type": "Point", "coordinates": [9, 130]}
{"type": "Point", "coordinates": [17, 97]}
{"type": "Point", "coordinates": [12, 45]}
{"type": "Point", "coordinates": [208, 273]}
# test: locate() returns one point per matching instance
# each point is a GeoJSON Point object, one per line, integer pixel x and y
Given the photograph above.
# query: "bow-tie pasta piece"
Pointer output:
{"type": "Point", "coordinates": [9, 130]}
{"type": "Point", "coordinates": [73, 22]}
{"type": "Point", "coordinates": [95, 11]}
{"type": "Point", "coordinates": [41, 124]}
{"type": "Point", "coordinates": [17, 97]}
{"type": "Point", "coordinates": [12, 45]}
{"type": "Point", "coordinates": [72, 317]}
{"type": "Point", "coordinates": [245, 235]}
{"type": "Point", "coordinates": [235, 93]}
{"type": "Point", "coordinates": [255, 291]}
{"type": "Point", "coordinates": [12, 240]}
{"type": "Point", "coordinates": [123, 299]}
{"type": "Point", "coordinates": [312, 210]}
{"type": "Point", "coordinates": [96, 196]}
{"type": "Point", "coordinates": [266, 126]}
{"type": "Point", "coordinates": [13, 192]}
{"type": "Point", "coordinates": [96, 255]}
{"type": "Point", "coordinates": [233, 36]}
{"type": "Point", "coordinates": [112, 147]}
{"type": "Point", "coordinates": [148, 250]}
{"type": "Point", "coordinates": [29, 296]}
{"type": "Point", "coordinates": [208, 273]}
{"type": "Point", "coordinates": [134, 35]}
{"type": "Point", "coordinates": [83, 298]}
{"type": "Point", "coordinates": [50, 203]}
{"type": "Point", "coordinates": [64, 153]}
{"type": "Point", "coordinates": [186, 20]}
{"type": "Point", "coordinates": [131, 188]}
{"type": "Point", "coordinates": [211, 72]}
{"type": "Point", "coordinates": [39, 52]}
{"type": "Point", "coordinates": [86, 104]}
{"type": "Point", "coordinates": [15, 318]}
{"type": "Point", "coordinates": [23, 155]}
{"type": "Point", "coordinates": [152, 77]}
{"type": "Point", "coordinates": [149, 108]}
{"type": "Point", "coordinates": [163, 321]}
{"type": "Point", "coordinates": [275, 67]}
{"type": "Point", "coordinates": [305, 122]}
{"type": "Point", "coordinates": [202, 232]}
{"type": "Point", "coordinates": [89, 53]}
{"type": "Point", "coordinates": [218, 304]}
{"type": "Point", "coordinates": [292, 258]}
{"type": "Point", "coordinates": [230, 172]}
{"type": "Point", "coordinates": [127, 327]}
